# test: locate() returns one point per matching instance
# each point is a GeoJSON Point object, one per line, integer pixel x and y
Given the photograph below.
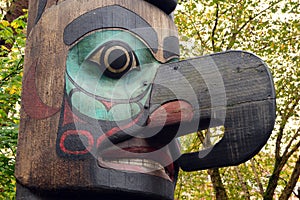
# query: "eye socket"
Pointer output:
{"type": "Point", "coordinates": [115, 58]}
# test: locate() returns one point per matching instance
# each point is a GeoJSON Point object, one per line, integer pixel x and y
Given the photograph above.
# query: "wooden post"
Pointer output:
{"type": "Point", "coordinates": [58, 141]}
{"type": "Point", "coordinates": [105, 97]}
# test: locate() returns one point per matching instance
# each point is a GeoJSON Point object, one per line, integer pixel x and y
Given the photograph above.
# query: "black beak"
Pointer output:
{"type": "Point", "coordinates": [233, 89]}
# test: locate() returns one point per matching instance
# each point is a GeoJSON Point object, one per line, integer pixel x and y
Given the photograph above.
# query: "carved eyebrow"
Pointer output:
{"type": "Point", "coordinates": [111, 17]}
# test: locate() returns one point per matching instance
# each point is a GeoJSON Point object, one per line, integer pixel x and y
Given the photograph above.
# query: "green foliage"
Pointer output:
{"type": "Point", "coordinates": [270, 29]}
{"type": "Point", "coordinates": [11, 63]}
{"type": "Point", "coordinates": [8, 144]}
{"type": "Point", "coordinates": [201, 189]}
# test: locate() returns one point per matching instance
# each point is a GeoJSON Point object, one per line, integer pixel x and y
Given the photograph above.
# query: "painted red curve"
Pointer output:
{"type": "Point", "coordinates": [32, 103]}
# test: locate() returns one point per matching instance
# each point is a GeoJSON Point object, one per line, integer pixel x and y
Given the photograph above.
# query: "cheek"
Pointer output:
{"type": "Point", "coordinates": [85, 77]}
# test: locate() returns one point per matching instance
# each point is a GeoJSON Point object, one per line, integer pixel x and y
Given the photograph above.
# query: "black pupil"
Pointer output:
{"type": "Point", "coordinates": [117, 59]}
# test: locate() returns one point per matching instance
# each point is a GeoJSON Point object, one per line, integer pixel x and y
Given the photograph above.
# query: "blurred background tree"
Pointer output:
{"type": "Point", "coordinates": [270, 29]}
{"type": "Point", "coordinates": [12, 41]}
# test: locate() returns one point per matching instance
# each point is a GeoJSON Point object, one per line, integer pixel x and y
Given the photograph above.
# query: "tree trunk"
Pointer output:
{"type": "Point", "coordinates": [213, 173]}
{"type": "Point", "coordinates": [16, 10]}
{"type": "Point", "coordinates": [244, 184]}
{"type": "Point", "coordinates": [218, 184]}
{"type": "Point", "coordinates": [261, 189]}
{"type": "Point", "coordinates": [286, 193]}
{"type": "Point", "coordinates": [273, 182]}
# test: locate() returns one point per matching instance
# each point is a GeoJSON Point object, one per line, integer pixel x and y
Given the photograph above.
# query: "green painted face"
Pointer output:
{"type": "Point", "coordinates": [109, 75]}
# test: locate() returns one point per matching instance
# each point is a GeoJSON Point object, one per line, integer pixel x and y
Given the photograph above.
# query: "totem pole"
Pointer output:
{"type": "Point", "coordinates": [105, 99]}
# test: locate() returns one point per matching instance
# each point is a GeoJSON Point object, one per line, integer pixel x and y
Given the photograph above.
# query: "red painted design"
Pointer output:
{"type": "Point", "coordinates": [115, 130]}
{"type": "Point", "coordinates": [171, 113]}
{"type": "Point", "coordinates": [107, 104]}
{"type": "Point", "coordinates": [69, 116]}
{"type": "Point", "coordinates": [33, 105]}
{"type": "Point", "coordinates": [87, 134]}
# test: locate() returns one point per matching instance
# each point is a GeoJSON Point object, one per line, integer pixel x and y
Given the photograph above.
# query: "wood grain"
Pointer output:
{"type": "Point", "coordinates": [233, 89]}
{"type": "Point", "coordinates": [38, 165]}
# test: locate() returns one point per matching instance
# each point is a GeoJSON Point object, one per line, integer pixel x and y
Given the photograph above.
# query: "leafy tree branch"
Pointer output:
{"type": "Point", "coordinates": [215, 27]}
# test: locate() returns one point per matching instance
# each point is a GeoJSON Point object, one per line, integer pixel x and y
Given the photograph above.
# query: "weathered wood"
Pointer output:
{"type": "Point", "coordinates": [234, 89]}
{"type": "Point", "coordinates": [52, 155]}
{"type": "Point", "coordinates": [104, 100]}
{"type": "Point", "coordinates": [92, 193]}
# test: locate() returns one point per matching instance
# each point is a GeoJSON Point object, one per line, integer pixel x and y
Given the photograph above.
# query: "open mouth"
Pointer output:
{"type": "Point", "coordinates": [137, 155]}
{"type": "Point", "coordinates": [145, 156]}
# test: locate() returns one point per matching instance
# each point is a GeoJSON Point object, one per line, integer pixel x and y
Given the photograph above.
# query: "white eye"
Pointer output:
{"type": "Point", "coordinates": [114, 58]}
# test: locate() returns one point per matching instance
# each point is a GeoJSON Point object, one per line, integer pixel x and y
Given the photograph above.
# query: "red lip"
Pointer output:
{"type": "Point", "coordinates": [138, 155]}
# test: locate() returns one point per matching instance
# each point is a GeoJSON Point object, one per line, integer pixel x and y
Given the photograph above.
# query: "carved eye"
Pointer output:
{"type": "Point", "coordinates": [115, 58]}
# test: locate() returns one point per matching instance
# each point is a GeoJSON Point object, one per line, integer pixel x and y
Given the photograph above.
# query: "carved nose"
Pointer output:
{"type": "Point", "coordinates": [232, 89]}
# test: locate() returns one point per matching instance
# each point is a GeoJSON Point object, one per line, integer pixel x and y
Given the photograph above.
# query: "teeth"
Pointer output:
{"type": "Point", "coordinates": [150, 164]}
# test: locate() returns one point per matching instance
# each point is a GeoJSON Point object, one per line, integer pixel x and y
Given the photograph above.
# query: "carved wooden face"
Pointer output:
{"type": "Point", "coordinates": [105, 97]}
{"type": "Point", "coordinates": [109, 76]}
{"type": "Point", "coordinates": [108, 81]}
{"type": "Point", "coordinates": [98, 66]}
